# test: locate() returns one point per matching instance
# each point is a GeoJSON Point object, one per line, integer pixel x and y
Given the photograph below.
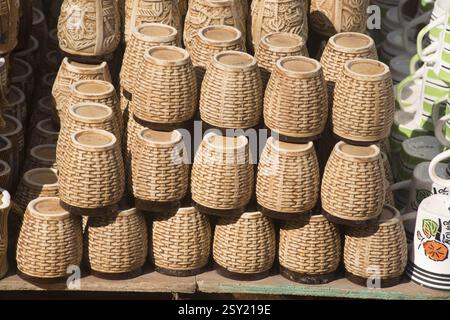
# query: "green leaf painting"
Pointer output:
{"type": "Point", "coordinates": [429, 228]}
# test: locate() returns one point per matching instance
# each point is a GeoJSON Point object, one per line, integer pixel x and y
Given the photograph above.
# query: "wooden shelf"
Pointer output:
{"type": "Point", "coordinates": [212, 282]}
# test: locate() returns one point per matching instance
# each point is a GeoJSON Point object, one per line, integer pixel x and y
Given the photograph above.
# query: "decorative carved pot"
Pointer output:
{"type": "Point", "coordinates": [9, 23]}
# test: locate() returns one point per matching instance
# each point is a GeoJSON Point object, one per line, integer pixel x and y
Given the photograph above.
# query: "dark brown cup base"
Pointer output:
{"type": "Point", "coordinates": [89, 59]}
{"type": "Point", "coordinates": [281, 215]}
{"type": "Point", "coordinates": [157, 207]}
{"type": "Point", "coordinates": [206, 126]}
{"type": "Point", "coordinates": [356, 143]}
{"type": "Point", "coordinates": [218, 212]}
{"type": "Point", "coordinates": [88, 212]}
{"type": "Point", "coordinates": [361, 281]}
{"type": "Point", "coordinates": [307, 278]}
{"type": "Point", "coordinates": [180, 273]}
{"type": "Point", "coordinates": [240, 276]}
{"type": "Point", "coordinates": [167, 127]}
{"type": "Point", "coordinates": [41, 281]}
{"type": "Point", "coordinates": [117, 276]}
{"type": "Point", "coordinates": [350, 223]}
{"type": "Point", "coordinates": [127, 94]}
{"type": "Point", "coordinates": [295, 140]}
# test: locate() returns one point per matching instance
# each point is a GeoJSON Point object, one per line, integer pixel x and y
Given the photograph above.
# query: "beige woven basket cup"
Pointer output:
{"type": "Point", "coordinates": [41, 156]}
{"type": "Point", "coordinates": [46, 108]}
{"type": "Point", "coordinates": [96, 91]}
{"type": "Point", "coordinates": [277, 45]}
{"type": "Point", "coordinates": [143, 37]}
{"type": "Point", "coordinates": [388, 194]}
{"type": "Point", "coordinates": [137, 12]}
{"type": "Point", "coordinates": [203, 13]}
{"type": "Point", "coordinates": [167, 93]}
{"type": "Point", "coordinates": [244, 247]}
{"type": "Point", "coordinates": [14, 133]}
{"type": "Point", "coordinates": [85, 115]}
{"type": "Point", "coordinates": [210, 41]}
{"type": "Point", "coordinates": [116, 245]}
{"type": "Point", "coordinates": [309, 250]}
{"type": "Point", "coordinates": [288, 180]}
{"type": "Point", "coordinates": [231, 95]}
{"type": "Point", "coordinates": [353, 184]}
{"type": "Point", "coordinates": [129, 142]}
{"type": "Point", "coordinates": [387, 167]}
{"type": "Point", "coordinates": [341, 48]}
{"type": "Point", "coordinates": [16, 105]}
{"type": "Point", "coordinates": [377, 251]}
{"type": "Point", "coordinates": [296, 102]}
{"type": "Point", "coordinates": [50, 241]}
{"type": "Point", "coordinates": [5, 204]}
{"type": "Point", "coordinates": [5, 175]}
{"type": "Point", "coordinates": [363, 105]}
{"type": "Point", "coordinates": [91, 173]}
{"type": "Point", "coordinates": [45, 132]}
{"type": "Point", "coordinates": [160, 172]}
{"type": "Point", "coordinates": [181, 242]}
{"type": "Point", "coordinates": [72, 71]}
{"type": "Point", "coordinates": [222, 176]}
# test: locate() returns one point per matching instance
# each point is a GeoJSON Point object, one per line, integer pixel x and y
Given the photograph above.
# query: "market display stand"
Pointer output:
{"type": "Point", "coordinates": [212, 283]}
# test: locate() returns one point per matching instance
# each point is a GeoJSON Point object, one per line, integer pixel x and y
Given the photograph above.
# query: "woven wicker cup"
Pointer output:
{"type": "Point", "coordinates": [244, 246]}
{"type": "Point", "coordinates": [5, 175]}
{"type": "Point", "coordinates": [222, 176]}
{"type": "Point", "coordinates": [377, 251]}
{"type": "Point", "coordinates": [138, 12]}
{"type": "Point", "coordinates": [309, 250]}
{"type": "Point", "coordinates": [46, 108]}
{"type": "Point", "coordinates": [116, 245]}
{"type": "Point", "coordinates": [17, 104]}
{"type": "Point", "coordinates": [277, 45]}
{"type": "Point", "coordinates": [288, 180]}
{"type": "Point", "coordinates": [10, 26]}
{"type": "Point", "coordinates": [85, 115]}
{"type": "Point", "coordinates": [296, 101]}
{"type": "Point", "coordinates": [181, 242]}
{"type": "Point", "coordinates": [4, 211]}
{"type": "Point", "coordinates": [50, 241]}
{"type": "Point", "coordinates": [91, 173]}
{"type": "Point", "coordinates": [363, 105]}
{"type": "Point", "coordinates": [167, 93]}
{"type": "Point", "coordinates": [70, 72]}
{"type": "Point", "coordinates": [203, 13]}
{"type": "Point", "coordinates": [160, 171]}
{"type": "Point", "coordinates": [97, 91]}
{"type": "Point", "coordinates": [231, 95]}
{"type": "Point", "coordinates": [100, 34]}
{"type": "Point", "coordinates": [22, 77]}
{"type": "Point", "coordinates": [341, 48]}
{"type": "Point", "coordinates": [353, 184]}
{"type": "Point", "coordinates": [388, 194]}
{"type": "Point", "coordinates": [45, 132]}
{"type": "Point", "coordinates": [129, 142]}
{"type": "Point", "coordinates": [144, 36]}
{"type": "Point", "coordinates": [35, 183]}
{"type": "Point", "coordinates": [387, 167]}
{"type": "Point", "coordinates": [14, 133]}
{"type": "Point", "coordinates": [210, 41]}
{"type": "Point", "coordinates": [41, 156]}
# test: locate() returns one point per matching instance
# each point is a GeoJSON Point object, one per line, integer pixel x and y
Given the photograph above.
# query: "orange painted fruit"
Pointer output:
{"type": "Point", "coordinates": [435, 250]}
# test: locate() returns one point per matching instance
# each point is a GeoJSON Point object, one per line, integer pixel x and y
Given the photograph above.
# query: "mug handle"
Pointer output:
{"type": "Point", "coordinates": [432, 169]}
{"type": "Point", "coordinates": [422, 33]}
{"type": "Point", "coordinates": [404, 83]}
{"type": "Point", "coordinates": [439, 126]}
{"type": "Point", "coordinates": [413, 23]}
{"type": "Point", "coordinates": [413, 64]}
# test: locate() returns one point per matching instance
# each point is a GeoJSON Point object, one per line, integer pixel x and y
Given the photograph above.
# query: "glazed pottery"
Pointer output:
{"type": "Point", "coordinates": [309, 250]}
{"type": "Point", "coordinates": [288, 178]}
{"type": "Point", "coordinates": [296, 101]}
{"type": "Point", "coordinates": [41, 156]}
{"type": "Point", "coordinates": [89, 27]}
{"type": "Point", "coordinates": [363, 105]}
{"type": "Point", "coordinates": [181, 242]}
{"type": "Point", "coordinates": [4, 211]}
{"type": "Point", "coordinates": [50, 241]}
{"type": "Point", "coordinates": [353, 184]}
{"type": "Point", "coordinates": [167, 93]}
{"type": "Point", "coordinates": [9, 14]}
{"type": "Point", "coordinates": [160, 171]}
{"type": "Point", "coordinates": [244, 246]}
{"type": "Point", "coordinates": [91, 173]}
{"type": "Point", "coordinates": [45, 132]}
{"type": "Point", "coordinates": [222, 175]}
{"type": "Point", "coordinates": [231, 95]}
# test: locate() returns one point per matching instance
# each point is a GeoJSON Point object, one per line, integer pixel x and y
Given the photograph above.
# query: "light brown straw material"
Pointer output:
{"type": "Point", "coordinates": [5, 204]}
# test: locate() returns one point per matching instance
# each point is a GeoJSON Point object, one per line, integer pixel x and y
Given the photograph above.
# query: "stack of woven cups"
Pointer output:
{"type": "Point", "coordinates": [354, 183]}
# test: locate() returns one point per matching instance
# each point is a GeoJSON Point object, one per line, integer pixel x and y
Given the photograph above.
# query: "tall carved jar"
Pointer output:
{"type": "Point", "coordinates": [269, 16]}
{"type": "Point", "coordinates": [330, 17]}
{"type": "Point", "coordinates": [9, 25]}
{"type": "Point", "coordinates": [89, 27]}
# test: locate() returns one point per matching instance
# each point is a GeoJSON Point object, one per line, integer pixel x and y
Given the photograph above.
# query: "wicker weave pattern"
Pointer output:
{"type": "Point", "coordinates": [387, 166]}
{"type": "Point", "coordinates": [311, 245]}
{"type": "Point", "coordinates": [181, 241]}
{"type": "Point", "coordinates": [221, 180]}
{"type": "Point", "coordinates": [134, 54]}
{"type": "Point", "coordinates": [4, 211]}
{"type": "Point", "coordinates": [130, 138]}
{"type": "Point", "coordinates": [48, 245]}
{"type": "Point", "coordinates": [389, 195]}
{"type": "Point", "coordinates": [45, 132]}
{"type": "Point", "coordinates": [91, 179]}
{"type": "Point", "coordinates": [363, 110]}
{"type": "Point", "coordinates": [377, 247]}
{"type": "Point", "coordinates": [353, 189]}
{"type": "Point", "coordinates": [166, 93]}
{"type": "Point", "coordinates": [231, 97]}
{"type": "Point", "coordinates": [117, 243]}
{"type": "Point", "coordinates": [244, 244]}
{"type": "Point", "coordinates": [296, 105]}
{"type": "Point", "coordinates": [288, 181]}
{"type": "Point", "coordinates": [159, 171]}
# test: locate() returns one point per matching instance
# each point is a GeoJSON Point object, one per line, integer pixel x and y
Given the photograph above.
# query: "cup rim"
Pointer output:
{"type": "Point", "coordinates": [265, 41]}
{"type": "Point", "coordinates": [18, 126]}
{"type": "Point", "coordinates": [28, 180]}
{"type": "Point", "coordinates": [6, 166]}
{"type": "Point", "coordinates": [26, 65]}
{"type": "Point", "coordinates": [141, 36]}
{"type": "Point", "coordinates": [41, 146]}
{"type": "Point", "coordinates": [92, 119]}
{"type": "Point", "coordinates": [20, 95]}
{"type": "Point", "coordinates": [32, 208]}
{"type": "Point", "coordinates": [366, 47]}
{"type": "Point", "coordinates": [86, 67]}
{"type": "Point", "coordinates": [7, 142]}
{"type": "Point", "coordinates": [175, 137]}
{"type": "Point", "coordinates": [74, 88]}
{"type": "Point", "coordinates": [373, 155]}
{"type": "Point", "coordinates": [241, 140]}
{"type": "Point", "coordinates": [226, 67]}
{"type": "Point", "coordinates": [40, 126]}
{"type": "Point", "coordinates": [303, 74]}
{"type": "Point", "coordinates": [83, 146]}
{"type": "Point", "coordinates": [237, 38]}
{"type": "Point", "coordinates": [163, 62]}
{"type": "Point", "coordinates": [367, 77]}
{"type": "Point", "coordinates": [279, 146]}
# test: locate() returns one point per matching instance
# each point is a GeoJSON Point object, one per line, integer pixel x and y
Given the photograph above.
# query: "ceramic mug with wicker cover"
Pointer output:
{"type": "Point", "coordinates": [10, 16]}
{"type": "Point", "coordinates": [5, 203]}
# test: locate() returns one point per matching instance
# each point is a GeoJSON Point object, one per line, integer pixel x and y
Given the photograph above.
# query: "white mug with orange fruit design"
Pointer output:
{"type": "Point", "coordinates": [429, 261]}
